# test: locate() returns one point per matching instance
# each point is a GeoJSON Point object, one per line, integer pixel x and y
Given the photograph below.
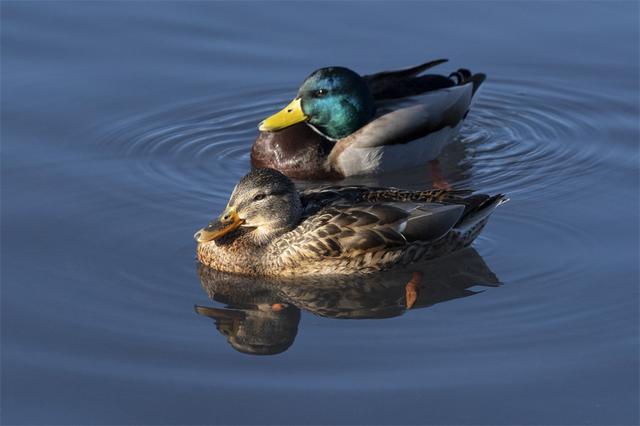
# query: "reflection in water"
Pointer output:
{"type": "Point", "coordinates": [262, 315]}
{"type": "Point", "coordinates": [256, 329]}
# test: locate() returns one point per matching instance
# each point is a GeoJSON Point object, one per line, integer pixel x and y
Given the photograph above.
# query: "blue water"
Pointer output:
{"type": "Point", "coordinates": [125, 125]}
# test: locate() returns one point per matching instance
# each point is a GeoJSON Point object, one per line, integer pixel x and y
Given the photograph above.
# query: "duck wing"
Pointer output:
{"type": "Point", "coordinates": [406, 82]}
{"type": "Point", "coordinates": [444, 108]}
{"type": "Point", "coordinates": [380, 231]}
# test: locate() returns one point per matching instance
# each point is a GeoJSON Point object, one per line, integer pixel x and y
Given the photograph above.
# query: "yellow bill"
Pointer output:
{"type": "Point", "coordinates": [288, 116]}
{"type": "Point", "coordinates": [229, 221]}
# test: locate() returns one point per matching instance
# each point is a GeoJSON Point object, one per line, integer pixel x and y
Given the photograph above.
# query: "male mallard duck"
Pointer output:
{"type": "Point", "coordinates": [270, 228]}
{"type": "Point", "coordinates": [342, 124]}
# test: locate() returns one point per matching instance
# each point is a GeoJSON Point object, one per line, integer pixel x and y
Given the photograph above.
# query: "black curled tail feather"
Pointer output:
{"type": "Point", "coordinates": [461, 76]}
{"type": "Point", "coordinates": [464, 76]}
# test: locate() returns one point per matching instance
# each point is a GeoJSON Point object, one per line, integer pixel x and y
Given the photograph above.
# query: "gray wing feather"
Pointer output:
{"type": "Point", "coordinates": [432, 223]}
{"type": "Point", "coordinates": [444, 108]}
{"type": "Point", "coordinates": [390, 127]}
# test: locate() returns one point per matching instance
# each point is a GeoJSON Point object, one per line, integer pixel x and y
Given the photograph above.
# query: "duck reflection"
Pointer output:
{"type": "Point", "coordinates": [261, 315]}
{"type": "Point", "coordinates": [252, 323]}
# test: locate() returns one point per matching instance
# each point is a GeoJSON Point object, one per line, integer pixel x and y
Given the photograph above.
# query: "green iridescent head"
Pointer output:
{"type": "Point", "coordinates": [334, 100]}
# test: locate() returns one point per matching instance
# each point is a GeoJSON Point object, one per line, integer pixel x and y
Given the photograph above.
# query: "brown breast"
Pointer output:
{"type": "Point", "coordinates": [296, 151]}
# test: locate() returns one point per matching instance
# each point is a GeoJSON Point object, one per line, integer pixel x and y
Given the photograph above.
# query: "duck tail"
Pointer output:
{"type": "Point", "coordinates": [478, 208]}
{"type": "Point", "coordinates": [463, 76]}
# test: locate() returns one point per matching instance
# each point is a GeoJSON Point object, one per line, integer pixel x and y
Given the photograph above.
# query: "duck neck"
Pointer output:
{"type": "Point", "coordinates": [343, 121]}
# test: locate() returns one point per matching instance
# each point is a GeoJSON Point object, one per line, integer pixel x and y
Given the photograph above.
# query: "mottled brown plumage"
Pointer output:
{"type": "Point", "coordinates": [341, 230]}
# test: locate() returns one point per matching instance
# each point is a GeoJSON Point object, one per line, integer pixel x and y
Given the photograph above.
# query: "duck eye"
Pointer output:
{"type": "Point", "coordinates": [320, 93]}
{"type": "Point", "coordinates": [259, 197]}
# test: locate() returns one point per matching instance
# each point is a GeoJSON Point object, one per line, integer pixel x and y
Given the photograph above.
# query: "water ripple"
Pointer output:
{"type": "Point", "coordinates": [521, 137]}
{"type": "Point", "coordinates": [531, 140]}
{"type": "Point", "coordinates": [535, 141]}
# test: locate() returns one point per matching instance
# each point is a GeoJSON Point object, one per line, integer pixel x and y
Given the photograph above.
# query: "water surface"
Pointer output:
{"type": "Point", "coordinates": [126, 125]}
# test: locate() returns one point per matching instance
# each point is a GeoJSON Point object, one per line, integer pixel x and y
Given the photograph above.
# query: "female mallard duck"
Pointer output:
{"type": "Point", "coordinates": [262, 315]}
{"type": "Point", "coordinates": [269, 228]}
{"type": "Point", "coordinates": [342, 124]}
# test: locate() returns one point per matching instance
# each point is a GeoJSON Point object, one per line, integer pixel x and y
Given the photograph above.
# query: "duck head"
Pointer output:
{"type": "Point", "coordinates": [256, 330]}
{"type": "Point", "coordinates": [263, 204]}
{"type": "Point", "coordinates": [335, 101]}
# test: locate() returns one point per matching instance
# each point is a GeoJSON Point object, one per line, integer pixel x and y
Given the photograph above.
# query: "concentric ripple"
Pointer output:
{"type": "Point", "coordinates": [212, 134]}
{"type": "Point", "coordinates": [524, 138]}
{"type": "Point", "coordinates": [521, 137]}
{"type": "Point", "coordinates": [531, 141]}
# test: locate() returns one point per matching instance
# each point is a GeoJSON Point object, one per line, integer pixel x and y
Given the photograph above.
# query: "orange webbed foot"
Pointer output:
{"type": "Point", "coordinates": [411, 289]}
{"type": "Point", "coordinates": [277, 307]}
{"type": "Point", "coordinates": [439, 182]}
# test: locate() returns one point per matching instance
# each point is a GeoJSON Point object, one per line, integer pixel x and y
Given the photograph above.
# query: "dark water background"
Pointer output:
{"type": "Point", "coordinates": [126, 124]}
